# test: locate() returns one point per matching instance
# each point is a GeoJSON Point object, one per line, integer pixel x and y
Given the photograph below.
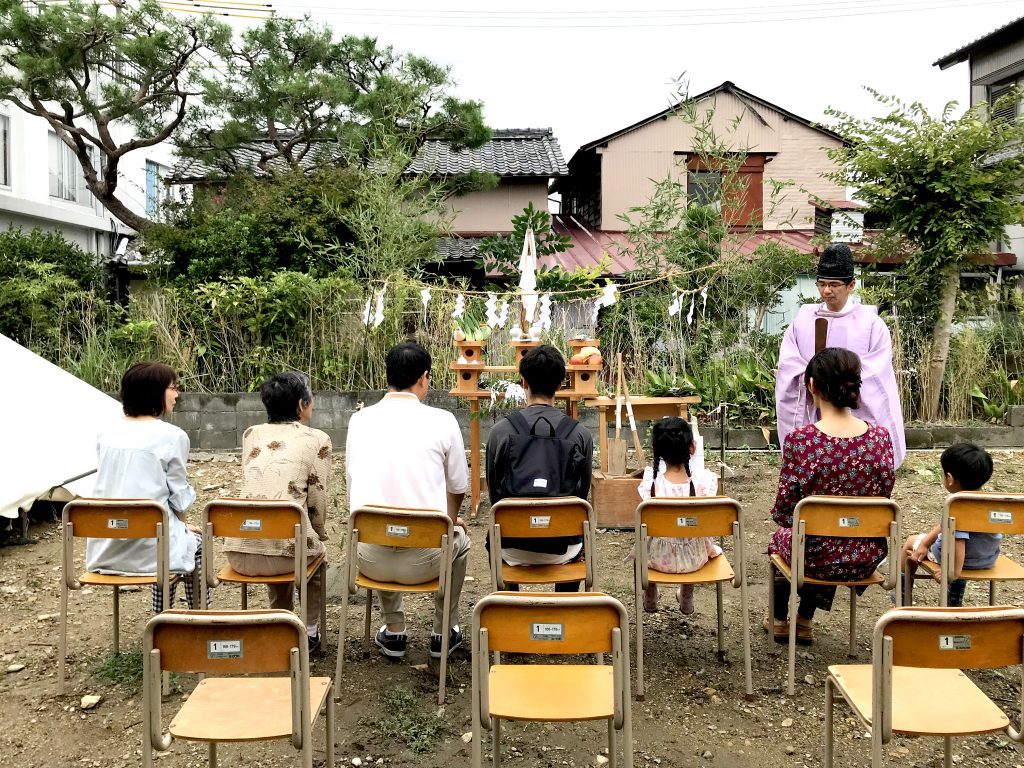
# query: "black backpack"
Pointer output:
{"type": "Point", "coordinates": [540, 465]}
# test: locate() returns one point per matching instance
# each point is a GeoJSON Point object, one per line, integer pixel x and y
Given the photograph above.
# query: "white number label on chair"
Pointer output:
{"type": "Point", "coordinates": [547, 632]}
{"type": "Point", "coordinates": [954, 642]}
{"type": "Point", "coordinates": [849, 522]}
{"type": "Point", "coordinates": [999, 516]}
{"type": "Point", "coordinates": [224, 649]}
{"type": "Point", "coordinates": [398, 530]}
{"type": "Point", "coordinates": [252, 525]}
{"type": "Point", "coordinates": [117, 523]}
{"type": "Point", "coordinates": [686, 522]}
{"type": "Point", "coordinates": [540, 521]}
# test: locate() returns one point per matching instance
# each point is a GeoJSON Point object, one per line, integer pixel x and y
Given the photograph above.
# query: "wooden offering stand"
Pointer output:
{"type": "Point", "coordinates": [582, 384]}
{"type": "Point", "coordinates": [615, 497]}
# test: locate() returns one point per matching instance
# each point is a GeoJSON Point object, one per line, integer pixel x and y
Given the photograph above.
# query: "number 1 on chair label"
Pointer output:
{"type": "Point", "coordinates": [117, 523]}
{"type": "Point", "coordinates": [999, 516]}
{"type": "Point", "coordinates": [224, 649]}
{"type": "Point", "coordinates": [540, 521]}
{"type": "Point", "coordinates": [849, 522]}
{"type": "Point", "coordinates": [398, 530]}
{"type": "Point", "coordinates": [547, 632]}
{"type": "Point", "coordinates": [252, 525]}
{"type": "Point", "coordinates": [686, 522]}
{"type": "Point", "coordinates": [954, 642]}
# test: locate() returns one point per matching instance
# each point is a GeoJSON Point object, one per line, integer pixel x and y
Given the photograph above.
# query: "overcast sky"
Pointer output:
{"type": "Point", "coordinates": [586, 69]}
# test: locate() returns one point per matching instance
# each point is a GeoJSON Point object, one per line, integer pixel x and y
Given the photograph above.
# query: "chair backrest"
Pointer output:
{"type": "Point", "coordinates": [226, 642]}
{"type": "Point", "coordinates": [253, 518]}
{"type": "Point", "coordinates": [114, 518]}
{"type": "Point", "coordinates": [982, 512]}
{"type": "Point", "coordinates": [953, 638]}
{"type": "Point", "coordinates": [548, 623]}
{"type": "Point", "coordinates": [687, 517]}
{"type": "Point", "coordinates": [848, 516]}
{"type": "Point", "coordinates": [542, 518]}
{"type": "Point", "coordinates": [395, 527]}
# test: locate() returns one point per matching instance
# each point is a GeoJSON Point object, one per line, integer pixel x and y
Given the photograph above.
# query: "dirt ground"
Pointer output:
{"type": "Point", "coordinates": [694, 714]}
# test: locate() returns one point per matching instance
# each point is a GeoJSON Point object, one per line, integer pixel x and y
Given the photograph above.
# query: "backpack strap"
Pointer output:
{"type": "Point", "coordinates": [519, 423]}
{"type": "Point", "coordinates": [566, 427]}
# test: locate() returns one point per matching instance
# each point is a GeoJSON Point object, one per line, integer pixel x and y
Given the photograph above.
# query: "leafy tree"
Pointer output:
{"type": "Point", "coordinates": [300, 98]}
{"type": "Point", "coordinates": [254, 227]}
{"type": "Point", "coordinates": [89, 69]}
{"type": "Point", "coordinates": [757, 281]}
{"type": "Point", "coordinates": [948, 185]}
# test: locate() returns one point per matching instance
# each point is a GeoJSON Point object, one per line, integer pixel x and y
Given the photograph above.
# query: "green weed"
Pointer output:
{"type": "Point", "coordinates": [408, 723]}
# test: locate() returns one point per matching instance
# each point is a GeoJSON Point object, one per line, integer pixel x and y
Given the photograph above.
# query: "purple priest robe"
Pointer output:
{"type": "Point", "coordinates": [861, 331]}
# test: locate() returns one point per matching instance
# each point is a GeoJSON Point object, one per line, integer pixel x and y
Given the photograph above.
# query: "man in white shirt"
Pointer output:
{"type": "Point", "coordinates": [402, 453]}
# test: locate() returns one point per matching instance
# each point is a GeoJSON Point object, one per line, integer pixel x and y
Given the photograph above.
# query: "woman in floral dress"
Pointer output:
{"type": "Point", "coordinates": [839, 455]}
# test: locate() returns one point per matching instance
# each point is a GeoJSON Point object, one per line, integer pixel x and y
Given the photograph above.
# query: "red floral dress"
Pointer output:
{"type": "Point", "coordinates": [814, 463]}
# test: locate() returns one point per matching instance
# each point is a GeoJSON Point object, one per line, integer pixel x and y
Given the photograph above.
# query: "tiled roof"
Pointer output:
{"type": "Point", "coordinates": [451, 249]}
{"type": "Point", "coordinates": [515, 152]}
{"type": "Point", "coordinates": [527, 152]}
{"type": "Point", "coordinates": [1010, 30]}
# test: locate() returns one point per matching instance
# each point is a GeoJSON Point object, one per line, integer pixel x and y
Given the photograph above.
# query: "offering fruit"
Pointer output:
{"type": "Point", "coordinates": [586, 356]}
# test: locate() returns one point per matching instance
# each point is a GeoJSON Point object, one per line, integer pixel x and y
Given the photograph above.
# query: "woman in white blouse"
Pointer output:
{"type": "Point", "coordinates": [142, 457]}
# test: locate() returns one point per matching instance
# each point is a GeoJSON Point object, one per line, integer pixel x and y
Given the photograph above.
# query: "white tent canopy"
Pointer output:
{"type": "Point", "coordinates": [50, 421]}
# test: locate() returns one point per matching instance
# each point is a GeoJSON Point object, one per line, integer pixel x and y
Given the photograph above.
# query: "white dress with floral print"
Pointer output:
{"type": "Point", "coordinates": [671, 555]}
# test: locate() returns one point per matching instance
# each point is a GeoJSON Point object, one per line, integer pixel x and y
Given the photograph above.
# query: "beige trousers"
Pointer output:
{"type": "Point", "coordinates": [414, 566]}
{"type": "Point", "coordinates": [281, 595]}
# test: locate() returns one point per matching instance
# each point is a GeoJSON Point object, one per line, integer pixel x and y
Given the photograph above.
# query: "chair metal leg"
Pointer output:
{"type": "Point", "coordinates": [117, 619]}
{"type": "Point", "coordinates": [747, 663]}
{"type": "Point", "coordinates": [638, 594]}
{"type": "Point", "coordinates": [771, 595]}
{"type": "Point", "coordinates": [445, 630]}
{"type": "Point", "coordinates": [323, 597]}
{"type": "Point", "coordinates": [829, 713]}
{"type": "Point", "coordinates": [213, 754]}
{"type": "Point", "coordinates": [721, 621]}
{"type": "Point", "coordinates": [245, 597]}
{"type": "Point", "coordinates": [852, 653]}
{"type": "Point", "coordinates": [613, 757]}
{"type": "Point", "coordinates": [342, 629]}
{"type": "Point", "coordinates": [791, 683]}
{"type": "Point", "coordinates": [366, 624]}
{"type": "Point", "coordinates": [495, 742]}
{"type": "Point", "coordinates": [947, 752]}
{"type": "Point", "coordinates": [329, 735]}
{"type": "Point", "coordinates": [62, 641]}
{"type": "Point", "coordinates": [992, 593]}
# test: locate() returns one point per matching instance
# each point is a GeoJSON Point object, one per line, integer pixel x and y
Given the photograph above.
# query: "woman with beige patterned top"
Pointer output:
{"type": "Point", "coordinates": [286, 459]}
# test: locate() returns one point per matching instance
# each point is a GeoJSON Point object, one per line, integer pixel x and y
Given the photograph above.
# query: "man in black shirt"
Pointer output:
{"type": "Point", "coordinates": [543, 371]}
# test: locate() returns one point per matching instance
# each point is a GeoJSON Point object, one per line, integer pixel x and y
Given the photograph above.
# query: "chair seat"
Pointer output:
{"type": "Point", "coordinates": [544, 574]}
{"type": "Point", "coordinates": [244, 708]}
{"type": "Point", "coordinates": [922, 699]}
{"type": "Point", "coordinates": [1004, 569]}
{"type": "Point", "coordinates": [876, 578]}
{"type": "Point", "coordinates": [230, 575]}
{"type": "Point", "coordinates": [113, 580]}
{"type": "Point", "coordinates": [389, 586]}
{"type": "Point", "coordinates": [716, 569]}
{"type": "Point", "coordinates": [549, 692]}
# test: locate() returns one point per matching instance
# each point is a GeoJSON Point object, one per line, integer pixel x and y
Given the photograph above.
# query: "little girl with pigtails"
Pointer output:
{"type": "Point", "coordinates": [677, 471]}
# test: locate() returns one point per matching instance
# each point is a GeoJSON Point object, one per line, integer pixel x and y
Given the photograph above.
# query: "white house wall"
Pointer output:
{"type": "Point", "coordinates": [491, 210]}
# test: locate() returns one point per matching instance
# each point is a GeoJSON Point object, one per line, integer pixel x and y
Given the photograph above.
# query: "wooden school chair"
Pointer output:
{"type": "Point", "coordinates": [847, 516]}
{"type": "Point", "coordinates": [915, 684]}
{"type": "Point", "coordinates": [688, 518]}
{"type": "Point", "coordinates": [977, 512]}
{"type": "Point", "coordinates": [225, 709]}
{"type": "Point", "coordinates": [406, 528]}
{"type": "Point", "coordinates": [113, 519]}
{"type": "Point", "coordinates": [551, 624]}
{"type": "Point", "coordinates": [542, 518]}
{"type": "Point", "coordinates": [262, 519]}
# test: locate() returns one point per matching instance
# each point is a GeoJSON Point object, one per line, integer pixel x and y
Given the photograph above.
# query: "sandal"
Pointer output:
{"type": "Point", "coordinates": [651, 599]}
{"type": "Point", "coordinates": [779, 630]}
{"type": "Point", "coordinates": [804, 633]}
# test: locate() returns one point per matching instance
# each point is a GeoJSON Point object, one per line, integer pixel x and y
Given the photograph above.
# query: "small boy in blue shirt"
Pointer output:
{"type": "Point", "coordinates": [965, 467]}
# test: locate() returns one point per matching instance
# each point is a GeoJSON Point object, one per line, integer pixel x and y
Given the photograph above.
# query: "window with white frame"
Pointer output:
{"type": "Point", "coordinates": [155, 191]}
{"type": "Point", "coordinates": [67, 180]}
{"type": "Point", "coordinates": [5, 151]}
